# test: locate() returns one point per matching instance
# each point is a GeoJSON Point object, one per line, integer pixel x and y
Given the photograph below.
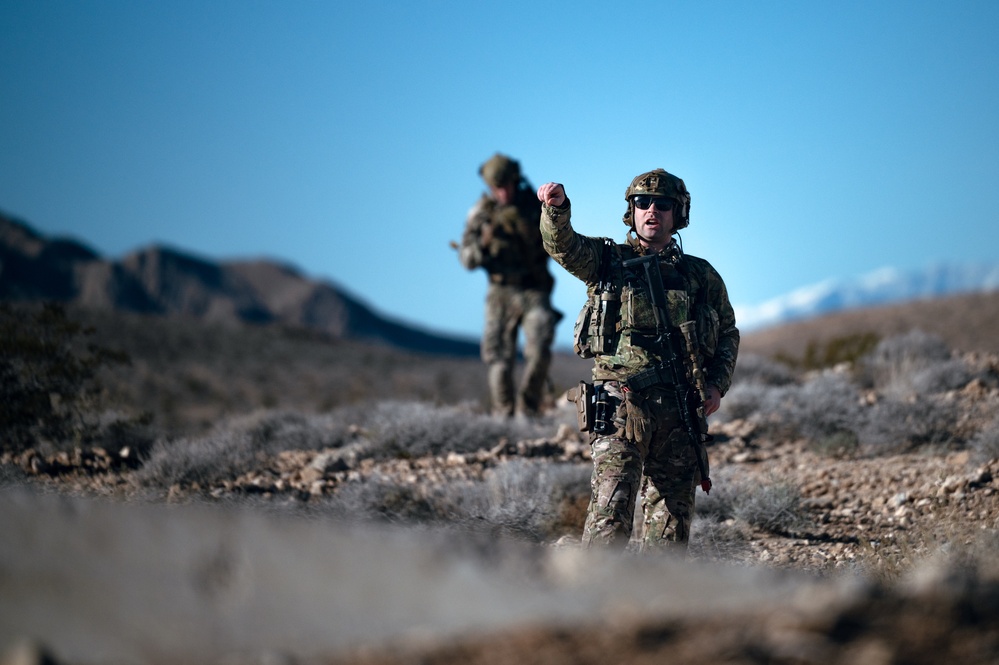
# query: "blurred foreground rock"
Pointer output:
{"type": "Point", "coordinates": [97, 581]}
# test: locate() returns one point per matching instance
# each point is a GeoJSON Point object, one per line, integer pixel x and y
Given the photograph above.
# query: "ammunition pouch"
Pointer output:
{"type": "Point", "coordinates": [596, 329]}
{"type": "Point", "coordinates": [581, 332]}
{"type": "Point", "coordinates": [598, 325]}
{"type": "Point", "coordinates": [603, 325]}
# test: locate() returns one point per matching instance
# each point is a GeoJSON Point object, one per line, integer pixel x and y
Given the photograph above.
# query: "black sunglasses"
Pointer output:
{"type": "Point", "coordinates": [644, 202]}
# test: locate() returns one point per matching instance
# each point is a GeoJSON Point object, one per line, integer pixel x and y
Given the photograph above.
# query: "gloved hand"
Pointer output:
{"type": "Point", "coordinates": [638, 424]}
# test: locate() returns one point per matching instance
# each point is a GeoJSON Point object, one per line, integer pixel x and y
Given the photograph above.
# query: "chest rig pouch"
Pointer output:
{"type": "Point", "coordinates": [597, 325]}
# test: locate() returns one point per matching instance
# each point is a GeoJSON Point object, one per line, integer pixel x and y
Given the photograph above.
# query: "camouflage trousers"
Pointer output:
{"type": "Point", "coordinates": [509, 309]}
{"type": "Point", "coordinates": [663, 473]}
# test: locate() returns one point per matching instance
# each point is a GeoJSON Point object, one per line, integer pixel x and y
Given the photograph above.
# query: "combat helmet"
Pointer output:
{"type": "Point", "coordinates": [500, 171]}
{"type": "Point", "coordinates": [660, 183]}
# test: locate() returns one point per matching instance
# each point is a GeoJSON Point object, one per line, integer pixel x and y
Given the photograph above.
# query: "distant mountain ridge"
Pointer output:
{"type": "Point", "coordinates": [162, 280]}
{"type": "Point", "coordinates": [881, 287]}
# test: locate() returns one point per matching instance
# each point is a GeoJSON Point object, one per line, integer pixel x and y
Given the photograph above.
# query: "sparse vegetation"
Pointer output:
{"type": "Point", "coordinates": [519, 499]}
{"type": "Point", "coordinates": [773, 505]}
{"type": "Point", "coordinates": [770, 503]}
{"type": "Point", "coordinates": [985, 444]}
{"type": "Point", "coordinates": [49, 390]}
{"type": "Point", "coordinates": [892, 399]}
{"type": "Point", "coordinates": [821, 355]}
{"type": "Point", "coordinates": [280, 420]}
{"type": "Point", "coordinates": [905, 365]}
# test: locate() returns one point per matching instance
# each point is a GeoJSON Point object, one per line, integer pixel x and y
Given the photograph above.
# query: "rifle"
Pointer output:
{"type": "Point", "coordinates": [690, 394]}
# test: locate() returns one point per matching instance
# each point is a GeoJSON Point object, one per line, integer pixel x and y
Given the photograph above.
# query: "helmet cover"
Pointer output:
{"type": "Point", "coordinates": [500, 171]}
{"type": "Point", "coordinates": [660, 183]}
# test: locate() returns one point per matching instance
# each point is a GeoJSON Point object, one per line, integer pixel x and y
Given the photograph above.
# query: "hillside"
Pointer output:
{"type": "Point", "coordinates": [965, 322]}
{"type": "Point", "coordinates": [171, 282]}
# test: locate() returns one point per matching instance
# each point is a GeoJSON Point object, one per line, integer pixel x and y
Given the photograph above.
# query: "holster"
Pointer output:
{"type": "Point", "coordinates": [583, 395]}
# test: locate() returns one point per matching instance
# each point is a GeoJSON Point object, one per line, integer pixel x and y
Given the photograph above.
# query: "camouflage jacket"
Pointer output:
{"type": "Point", "coordinates": [505, 240]}
{"type": "Point", "coordinates": [694, 292]}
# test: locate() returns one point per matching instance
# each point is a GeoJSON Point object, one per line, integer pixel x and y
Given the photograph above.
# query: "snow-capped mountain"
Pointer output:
{"type": "Point", "coordinates": [883, 286]}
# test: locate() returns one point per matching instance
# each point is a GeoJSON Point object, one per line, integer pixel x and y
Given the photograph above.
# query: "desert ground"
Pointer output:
{"type": "Point", "coordinates": [239, 494]}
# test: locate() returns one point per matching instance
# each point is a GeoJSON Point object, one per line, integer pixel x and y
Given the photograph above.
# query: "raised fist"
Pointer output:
{"type": "Point", "coordinates": [551, 194]}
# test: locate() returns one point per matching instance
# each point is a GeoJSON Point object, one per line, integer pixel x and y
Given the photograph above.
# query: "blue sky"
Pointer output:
{"type": "Point", "coordinates": [818, 140]}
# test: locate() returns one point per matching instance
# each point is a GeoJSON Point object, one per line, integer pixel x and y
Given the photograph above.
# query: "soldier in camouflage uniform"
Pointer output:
{"type": "Point", "coordinates": [502, 236]}
{"type": "Point", "coordinates": [645, 435]}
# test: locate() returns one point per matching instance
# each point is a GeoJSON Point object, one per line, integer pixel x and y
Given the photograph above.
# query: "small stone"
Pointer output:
{"type": "Point", "coordinates": [310, 474]}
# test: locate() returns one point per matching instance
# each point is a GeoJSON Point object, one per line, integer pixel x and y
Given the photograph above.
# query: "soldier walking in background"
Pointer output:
{"type": "Point", "coordinates": [503, 237]}
{"type": "Point", "coordinates": [660, 328]}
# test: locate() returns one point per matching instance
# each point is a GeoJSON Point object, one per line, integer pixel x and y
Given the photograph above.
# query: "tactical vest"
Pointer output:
{"type": "Point", "coordinates": [617, 325]}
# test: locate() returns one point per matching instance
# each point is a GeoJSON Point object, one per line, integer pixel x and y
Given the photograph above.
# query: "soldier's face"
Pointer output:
{"type": "Point", "coordinates": [504, 195]}
{"type": "Point", "coordinates": [655, 226]}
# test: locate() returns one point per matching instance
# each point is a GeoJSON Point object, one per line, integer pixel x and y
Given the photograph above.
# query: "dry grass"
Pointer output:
{"type": "Point", "coordinates": [190, 375]}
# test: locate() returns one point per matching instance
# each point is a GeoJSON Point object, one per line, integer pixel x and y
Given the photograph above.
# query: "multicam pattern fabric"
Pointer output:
{"type": "Point", "coordinates": [507, 308]}
{"type": "Point", "coordinates": [505, 241]}
{"type": "Point", "coordinates": [663, 471]}
{"type": "Point", "coordinates": [703, 292]}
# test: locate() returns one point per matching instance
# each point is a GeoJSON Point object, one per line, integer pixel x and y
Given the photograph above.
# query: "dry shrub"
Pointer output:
{"type": "Point", "coordinates": [835, 412]}
{"type": "Point", "coordinates": [724, 541]}
{"type": "Point", "coordinates": [985, 444]}
{"type": "Point", "coordinates": [772, 504]}
{"type": "Point", "coordinates": [218, 456]}
{"type": "Point", "coordinates": [826, 411]}
{"type": "Point", "coordinates": [898, 365]}
{"type": "Point", "coordinates": [525, 498]}
{"type": "Point", "coordinates": [236, 446]}
{"type": "Point", "coordinates": [417, 429]}
{"type": "Point", "coordinates": [838, 350]}
{"type": "Point", "coordinates": [758, 370]}
{"type": "Point", "coordinates": [521, 499]}
{"type": "Point", "coordinates": [49, 389]}
{"type": "Point", "coordinates": [384, 430]}
{"type": "Point", "coordinates": [719, 504]}
{"type": "Point", "coordinates": [895, 426]}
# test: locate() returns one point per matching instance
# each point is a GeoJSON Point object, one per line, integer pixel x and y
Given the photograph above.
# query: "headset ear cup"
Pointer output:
{"type": "Point", "coordinates": [679, 218]}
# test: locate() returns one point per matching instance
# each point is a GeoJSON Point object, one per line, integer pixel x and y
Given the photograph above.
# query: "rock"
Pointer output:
{"type": "Point", "coordinates": [501, 448]}
{"type": "Point", "coordinates": [309, 475]}
{"type": "Point", "coordinates": [823, 502]}
{"type": "Point", "coordinates": [952, 483]}
{"type": "Point", "coordinates": [330, 462]}
{"type": "Point", "coordinates": [539, 448]}
{"type": "Point", "coordinates": [27, 653]}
